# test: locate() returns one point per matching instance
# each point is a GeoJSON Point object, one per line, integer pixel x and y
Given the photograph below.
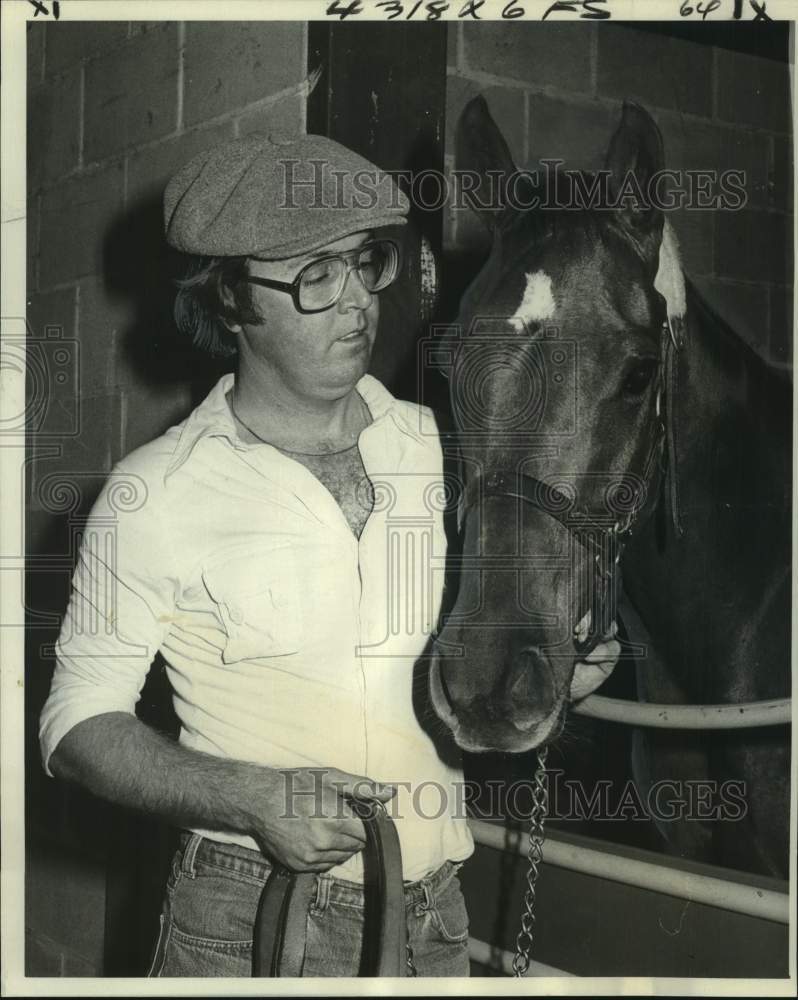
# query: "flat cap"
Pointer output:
{"type": "Point", "coordinates": [260, 197]}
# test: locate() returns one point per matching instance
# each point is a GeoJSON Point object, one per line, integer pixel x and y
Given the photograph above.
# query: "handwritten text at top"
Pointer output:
{"type": "Point", "coordinates": [510, 10]}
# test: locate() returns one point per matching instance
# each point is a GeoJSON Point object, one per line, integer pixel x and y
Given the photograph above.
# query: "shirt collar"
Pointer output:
{"type": "Point", "coordinates": [212, 418]}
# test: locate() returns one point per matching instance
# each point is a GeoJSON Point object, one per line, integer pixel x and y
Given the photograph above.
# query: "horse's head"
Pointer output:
{"type": "Point", "coordinates": [556, 390]}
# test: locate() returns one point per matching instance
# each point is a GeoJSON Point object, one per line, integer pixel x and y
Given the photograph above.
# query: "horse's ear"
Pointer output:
{"type": "Point", "coordinates": [635, 156]}
{"type": "Point", "coordinates": [480, 151]}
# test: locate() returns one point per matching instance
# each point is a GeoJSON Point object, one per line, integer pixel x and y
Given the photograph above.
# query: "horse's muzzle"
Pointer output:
{"type": "Point", "coordinates": [518, 710]}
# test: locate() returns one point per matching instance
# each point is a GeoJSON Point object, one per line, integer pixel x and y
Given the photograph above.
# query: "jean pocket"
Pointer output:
{"type": "Point", "coordinates": [449, 913]}
{"type": "Point", "coordinates": [197, 958]}
{"type": "Point", "coordinates": [215, 909]}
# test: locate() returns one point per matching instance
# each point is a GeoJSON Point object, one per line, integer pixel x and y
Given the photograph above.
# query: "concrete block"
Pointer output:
{"type": "Point", "coordinates": [282, 118]}
{"type": "Point", "coordinates": [578, 133]}
{"type": "Point", "coordinates": [75, 218]}
{"type": "Point", "coordinates": [35, 42]}
{"type": "Point", "coordinates": [70, 41]}
{"type": "Point", "coordinates": [753, 246]}
{"type": "Point", "coordinates": [84, 458]}
{"type": "Point", "coordinates": [655, 69]}
{"type": "Point", "coordinates": [506, 106]}
{"type": "Point", "coordinates": [131, 94]}
{"type": "Point", "coordinates": [753, 90]}
{"type": "Point", "coordinates": [53, 363]}
{"type": "Point", "coordinates": [151, 409]}
{"type": "Point", "coordinates": [231, 64]}
{"type": "Point", "coordinates": [696, 235]}
{"type": "Point", "coordinates": [691, 145]}
{"type": "Point", "coordinates": [53, 128]}
{"type": "Point", "coordinates": [149, 169]}
{"type": "Point", "coordinates": [102, 320]}
{"type": "Point", "coordinates": [547, 55]}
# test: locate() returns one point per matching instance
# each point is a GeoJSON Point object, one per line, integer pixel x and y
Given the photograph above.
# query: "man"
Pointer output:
{"type": "Point", "coordinates": [256, 548]}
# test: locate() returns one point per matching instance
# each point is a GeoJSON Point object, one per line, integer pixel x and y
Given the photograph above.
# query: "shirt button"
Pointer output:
{"type": "Point", "coordinates": [236, 616]}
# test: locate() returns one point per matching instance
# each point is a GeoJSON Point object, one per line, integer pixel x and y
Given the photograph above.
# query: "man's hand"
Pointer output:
{"type": "Point", "coordinates": [298, 816]}
{"type": "Point", "coordinates": [597, 666]}
{"type": "Point", "coordinates": [305, 821]}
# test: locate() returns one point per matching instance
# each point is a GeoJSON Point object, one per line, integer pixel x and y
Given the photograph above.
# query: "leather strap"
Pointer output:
{"type": "Point", "coordinates": [280, 925]}
{"type": "Point", "coordinates": [280, 931]}
{"type": "Point", "coordinates": [385, 947]}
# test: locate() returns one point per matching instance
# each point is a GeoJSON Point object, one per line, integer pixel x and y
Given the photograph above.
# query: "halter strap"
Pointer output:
{"type": "Point", "coordinates": [603, 538]}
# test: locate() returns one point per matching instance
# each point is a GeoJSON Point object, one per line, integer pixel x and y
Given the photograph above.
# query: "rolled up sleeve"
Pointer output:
{"type": "Point", "coordinates": [120, 608]}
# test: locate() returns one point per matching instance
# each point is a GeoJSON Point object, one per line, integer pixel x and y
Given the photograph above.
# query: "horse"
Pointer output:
{"type": "Point", "coordinates": [609, 421]}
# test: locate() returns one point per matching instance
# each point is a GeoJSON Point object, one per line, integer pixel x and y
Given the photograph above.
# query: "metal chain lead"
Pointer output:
{"type": "Point", "coordinates": [411, 965]}
{"type": "Point", "coordinates": [540, 805]}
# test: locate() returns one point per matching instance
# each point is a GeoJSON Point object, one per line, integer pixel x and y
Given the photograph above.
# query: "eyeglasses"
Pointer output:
{"type": "Point", "coordinates": [320, 284]}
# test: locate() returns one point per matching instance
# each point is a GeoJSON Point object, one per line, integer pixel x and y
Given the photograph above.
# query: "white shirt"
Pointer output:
{"type": "Point", "coordinates": [288, 641]}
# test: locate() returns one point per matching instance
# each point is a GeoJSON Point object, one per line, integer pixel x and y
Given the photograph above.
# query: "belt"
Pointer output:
{"type": "Point", "coordinates": [331, 888]}
{"type": "Point", "coordinates": [281, 922]}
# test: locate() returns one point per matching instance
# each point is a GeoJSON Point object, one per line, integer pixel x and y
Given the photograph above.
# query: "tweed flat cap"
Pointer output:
{"type": "Point", "coordinates": [259, 197]}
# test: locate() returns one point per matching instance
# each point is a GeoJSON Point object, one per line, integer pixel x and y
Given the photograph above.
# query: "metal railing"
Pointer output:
{"type": "Point", "coordinates": [710, 890]}
{"type": "Point", "coordinates": [636, 713]}
{"type": "Point", "coordinates": [766, 904]}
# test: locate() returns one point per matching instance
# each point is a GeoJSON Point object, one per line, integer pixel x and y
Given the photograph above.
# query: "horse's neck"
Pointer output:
{"type": "Point", "coordinates": [711, 596]}
{"type": "Point", "coordinates": [732, 418]}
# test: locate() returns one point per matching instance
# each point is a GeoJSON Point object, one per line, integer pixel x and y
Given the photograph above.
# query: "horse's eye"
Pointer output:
{"type": "Point", "coordinates": [639, 377]}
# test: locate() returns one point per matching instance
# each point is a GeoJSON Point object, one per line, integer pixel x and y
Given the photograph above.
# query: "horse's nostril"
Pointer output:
{"type": "Point", "coordinates": [523, 687]}
{"type": "Point", "coordinates": [530, 689]}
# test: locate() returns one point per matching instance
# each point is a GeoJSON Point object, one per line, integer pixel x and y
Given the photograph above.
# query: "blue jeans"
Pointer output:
{"type": "Point", "coordinates": [212, 897]}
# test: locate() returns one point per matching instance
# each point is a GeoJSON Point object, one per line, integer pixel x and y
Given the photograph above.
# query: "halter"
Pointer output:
{"type": "Point", "coordinates": [604, 543]}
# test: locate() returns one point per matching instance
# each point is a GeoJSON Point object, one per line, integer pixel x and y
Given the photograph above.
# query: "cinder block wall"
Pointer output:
{"type": "Point", "coordinates": [113, 109]}
{"type": "Point", "coordinates": [557, 90]}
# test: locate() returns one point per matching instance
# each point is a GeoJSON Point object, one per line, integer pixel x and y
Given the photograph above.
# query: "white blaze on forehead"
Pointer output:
{"type": "Point", "coordinates": [537, 304]}
{"type": "Point", "coordinates": [669, 281]}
